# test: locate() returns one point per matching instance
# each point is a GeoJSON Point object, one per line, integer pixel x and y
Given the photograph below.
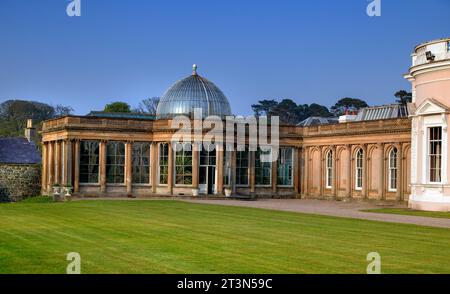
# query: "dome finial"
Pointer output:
{"type": "Point", "coordinates": [194, 69]}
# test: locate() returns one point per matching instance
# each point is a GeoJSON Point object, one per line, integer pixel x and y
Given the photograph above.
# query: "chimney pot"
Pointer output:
{"type": "Point", "coordinates": [30, 131]}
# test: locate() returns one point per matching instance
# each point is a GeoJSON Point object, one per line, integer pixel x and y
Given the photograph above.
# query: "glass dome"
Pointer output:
{"type": "Point", "coordinates": [190, 93]}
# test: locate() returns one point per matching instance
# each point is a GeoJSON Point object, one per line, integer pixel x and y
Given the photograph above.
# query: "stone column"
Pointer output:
{"type": "Point", "coordinates": [171, 173]}
{"type": "Point", "coordinates": [102, 162]}
{"type": "Point", "coordinates": [67, 173]}
{"type": "Point", "coordinates": [321, 171]}
{"type": "Point", "coordinates": [381, 173]}
{"type": "Point", "coordinates": [296, 171]}
{"type": "Point", "coordinates": [195, 165]}
{"type": "Point", "coordinates": [399, 147]}
{"type": "Point", "coordinates": [129, 167]}
{"type": "Point", "coordinates": [349, 170]}
{"type": "Point", "coordinates": [76, 168]}
{"type": "Point", "coordinates": [252, 171]}
{"type": "Point", "coordinates": [233, 171]}
{"type": "Point", "coordinates": [219, 166]}
{"type": "Point", "coordinates": [275, 174]}
{"type": "Point", "coordinates": [154, 158]}
{"type": "Point", "coordinates": [306, 173]}
{"type": "Point", "coordinates": [51, 166]}
{"type": "Point", "coordinates": [44, 169]}
{"type": "Point", "coordinates": [58, 163]}
{"type": "Point", "coordinates": [365, 193]}
{"type": "Point", "coordinates": [334, 171]}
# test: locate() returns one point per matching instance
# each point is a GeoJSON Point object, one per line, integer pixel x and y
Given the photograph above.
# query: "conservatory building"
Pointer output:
{"type": "Point", "coordinates": [368, 156]}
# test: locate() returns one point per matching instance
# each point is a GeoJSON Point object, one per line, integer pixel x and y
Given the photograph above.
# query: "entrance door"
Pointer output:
{"type": "Point", "coordinates": [207, 172]}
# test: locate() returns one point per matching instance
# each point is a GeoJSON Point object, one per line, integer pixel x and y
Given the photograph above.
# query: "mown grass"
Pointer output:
{"type": "Point", "coordinates": [179, 237]}
{"type": "Point", "coordinates": [406, 211]}
{"type": "Point", "coordinates": [38, 199]}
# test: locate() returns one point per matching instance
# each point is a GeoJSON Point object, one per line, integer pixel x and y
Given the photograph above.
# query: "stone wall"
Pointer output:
{"type": "Point", "coordinates": [19, 181]}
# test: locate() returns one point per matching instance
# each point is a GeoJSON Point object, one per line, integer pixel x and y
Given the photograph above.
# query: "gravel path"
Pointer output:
{"type": "Point", "coordinates": [332, 208]}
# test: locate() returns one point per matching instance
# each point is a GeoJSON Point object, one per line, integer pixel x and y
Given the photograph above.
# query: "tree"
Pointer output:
{"type": "Point", "coordinates": [119, 107]}
{"type": "Point", "coordinates": [61, 110]}
{"type": "Point", "coordinates": [149, 105]}
{"type": "Point", "coordinates": [264, 107]}
{"type": "Point", "coordinates": [347, 104]}
{"type": "Point", "coordinates": [15, 113]}
{"type": "Point", "coordinates": [319, 110]}
{"type": "Point", "coordinates": [403, 97]}
{"type": "Point", "coordinates": [287, 111]}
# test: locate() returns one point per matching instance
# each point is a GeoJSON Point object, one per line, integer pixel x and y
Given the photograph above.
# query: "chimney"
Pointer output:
{"type": "Point", "coordinates": [30, 131]}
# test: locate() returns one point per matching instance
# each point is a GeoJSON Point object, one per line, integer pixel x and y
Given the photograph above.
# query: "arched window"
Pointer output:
{"type": "Point", "coordinates": [435, 154]}
{"type": "Point", "coordinates": [359, 170]}
{"type": "Point", "coordinates": [393, 170]}
{"type": "Point", "coordinates": [329, 169]}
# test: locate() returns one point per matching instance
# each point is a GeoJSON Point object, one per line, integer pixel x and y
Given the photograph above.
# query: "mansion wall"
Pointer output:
{"type": "Point", "coordinates": [355, 160]}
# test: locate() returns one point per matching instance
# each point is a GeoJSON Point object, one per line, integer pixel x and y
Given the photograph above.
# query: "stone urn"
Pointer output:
{"type": "Point", "coordinates": [56, 193]}
{"type": "Point", "coordinates": [227, 192]}
{"type": "Point", "coordinates": [68, 193]}
{"type": "Point", "coordinates": [195, 192]}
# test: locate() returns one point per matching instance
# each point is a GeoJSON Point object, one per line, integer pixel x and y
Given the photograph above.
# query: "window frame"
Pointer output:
{"type": "Point", "coordinates": [428, 154]}
{"type": "Point", "coordinates": [240, 167]}
{"type": "Point", "coordinates": [115, 164]}
{"type": "Point", "coordinates": [329, 169]}
{"type": "Point", "coordinates": [98, 163]}
{"type": "Point", "coordinates": [133, 154]}
{"type": "Point", "coordinates": [264, 165]}
{"type": "Point", "coordinates": [160, 145]}
{"type": "Point", "coordinates": [184, 166]}
{"type": "Point", "coordinates": [292, 167]}
{"type": "Point", "coordinates": [359, 169]}
{"type": "Point", "coordinates": [393, 170]}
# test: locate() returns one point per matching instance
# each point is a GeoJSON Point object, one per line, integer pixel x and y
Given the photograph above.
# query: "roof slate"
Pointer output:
{"type": "Point", "coordinates": [18, 151]}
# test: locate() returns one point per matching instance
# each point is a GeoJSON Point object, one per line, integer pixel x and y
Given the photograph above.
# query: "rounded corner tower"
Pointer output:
{"type": "Point", "coordinates": [190, 93]}
{"type": "Point", "coordinates": [430, 109]}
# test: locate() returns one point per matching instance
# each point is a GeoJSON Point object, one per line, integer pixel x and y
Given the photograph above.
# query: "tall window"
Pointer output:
{"type": "Point", "coordinates": [435, 154]}
{"type": "Point", "coordinates": [329, 169]}
{"type": "Point", "coordinates": [141, 163]}
{"type": "Point", "coordinates": [163, 163]}
{"type": "Point", "coordinates": [89, 162]}
{"type": "Point", "coordinates": [242, 161]}
{"type": "Point", "coordinates": [285, 167]}
{"type": "Point", "coordinates": [359, 170]}
{"type": "Point", "coordinates": [115, 162]}
{"type": "Point", "coordinates": [227, 168]}
{"type": "Point", "coordinates": [393, 170]}
{"type": "Point", "coordinates": [183, 165]}
{"type": "Point", "coordinates": [263, 170]}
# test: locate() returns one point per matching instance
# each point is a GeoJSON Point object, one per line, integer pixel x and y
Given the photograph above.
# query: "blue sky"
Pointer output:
{"type": "Point", "coordinates": [309, 51]}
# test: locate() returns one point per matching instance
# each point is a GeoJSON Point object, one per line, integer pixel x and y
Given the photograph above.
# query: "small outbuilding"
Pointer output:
{"type": "Point", "coordinates": [20, 170]}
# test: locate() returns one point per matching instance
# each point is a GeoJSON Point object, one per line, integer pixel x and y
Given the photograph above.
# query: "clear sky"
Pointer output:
{"type": "Point", "coordinates": [309, 51]}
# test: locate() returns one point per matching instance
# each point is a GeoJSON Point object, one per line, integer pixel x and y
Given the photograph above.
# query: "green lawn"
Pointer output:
{"type": "Point", "coordinates": [406, 211]}
{"type": "Point", "coordinates": [178, 237]}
